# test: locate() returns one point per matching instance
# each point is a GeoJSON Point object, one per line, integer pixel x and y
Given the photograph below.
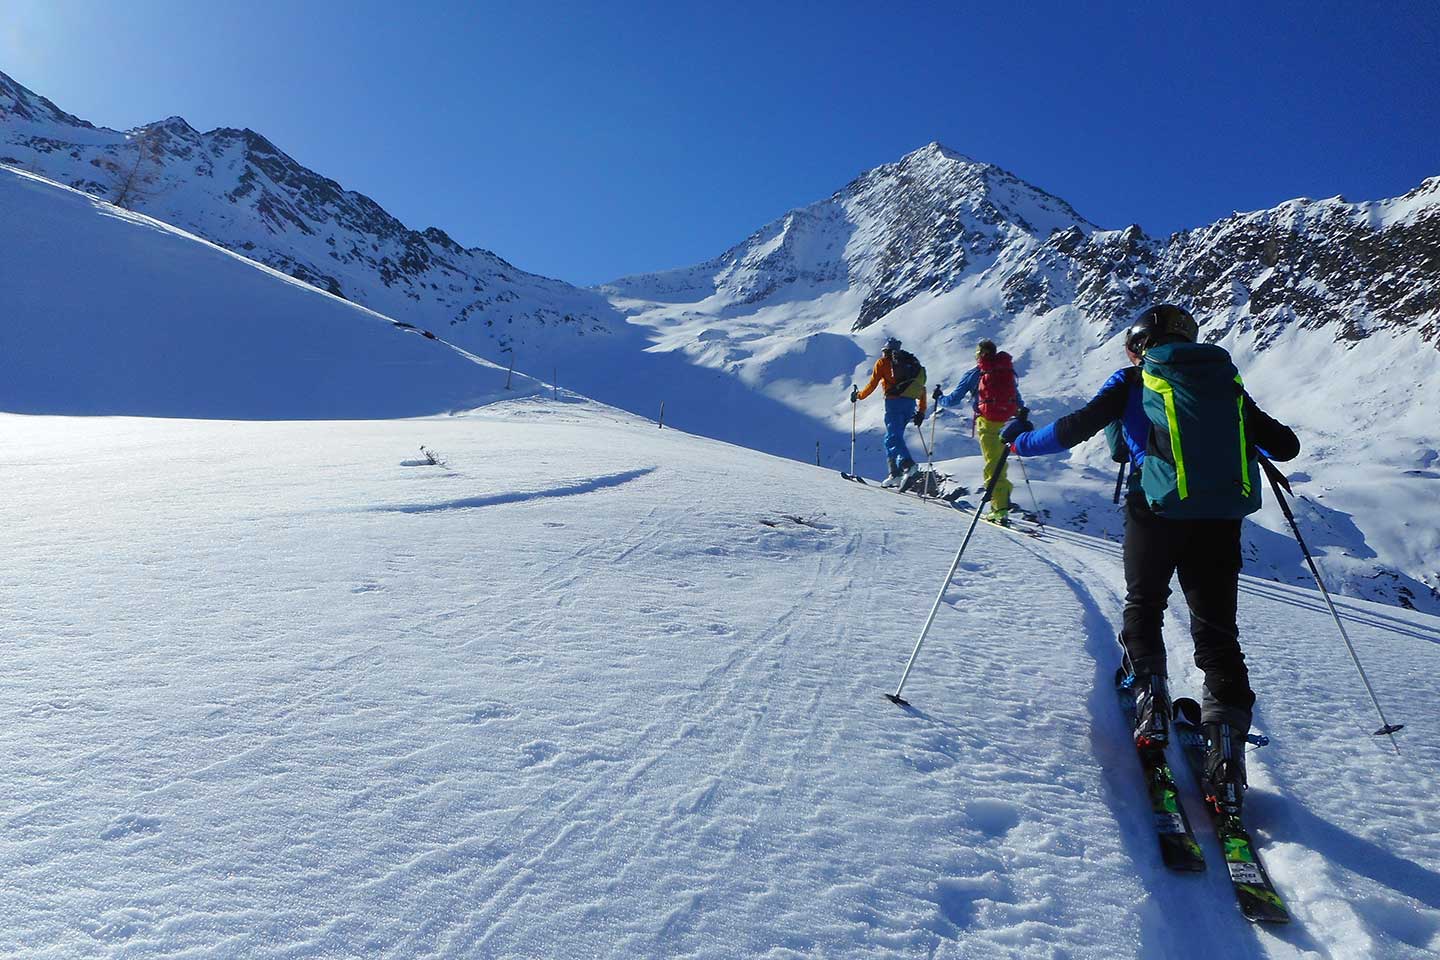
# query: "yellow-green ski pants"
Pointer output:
{"type": "Point", "coordinates": [988, 432]}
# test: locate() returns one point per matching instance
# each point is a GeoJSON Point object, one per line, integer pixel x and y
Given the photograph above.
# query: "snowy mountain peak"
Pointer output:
{"type": "Point", "coordinates": [174, 125]}
{"type": "Point", "coordinates": [20, 104]}
{"type": "Point", "coordinates": [935, 153]}
{"type": "Point", "coordinates": [923, 224]}
{"type": "Point", "coordinates": [992, 192]}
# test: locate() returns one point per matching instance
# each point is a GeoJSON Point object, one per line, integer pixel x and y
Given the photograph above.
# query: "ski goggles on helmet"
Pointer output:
{"type": "Point", "coordinates": [1137, 338]}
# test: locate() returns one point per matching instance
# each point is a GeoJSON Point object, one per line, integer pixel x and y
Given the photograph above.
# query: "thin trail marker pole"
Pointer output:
{"type": "Point", "coordinates": [895, 697]}
{"type": "Point", "coordinates": [555, 381]}
{"type": "Point", "coordinates": [817, 453]}
{"type": "Point", "coordinates": [1279, 482]}
{"type": "Point", "coordinates": [511, 372]}
{"type": "Point", "coordinates": [662, 414]}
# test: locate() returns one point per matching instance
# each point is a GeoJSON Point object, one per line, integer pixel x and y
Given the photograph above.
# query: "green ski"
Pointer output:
{"type": "Point", "coordinates": [1178, 847]}
{"type": "Point", "coordinates": [1259, 901]}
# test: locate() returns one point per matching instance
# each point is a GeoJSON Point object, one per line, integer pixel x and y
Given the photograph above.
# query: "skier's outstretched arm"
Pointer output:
{"type": "Point", "coordinates": [968, 384]}
{"type": "Point", "coordinates": [875, 378]}
{"type": "Point", "coordinates": [1277, 441]}
{"type": "Point", "coordinates": [1081, 425]}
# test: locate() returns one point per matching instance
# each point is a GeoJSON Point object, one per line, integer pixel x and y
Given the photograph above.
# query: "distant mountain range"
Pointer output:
{"type": "Point", "coordinates": [937, 221]}
{"type": "Point", "coordinates": [237, 189]}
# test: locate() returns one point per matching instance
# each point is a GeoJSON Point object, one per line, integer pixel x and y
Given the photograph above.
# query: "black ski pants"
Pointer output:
{"type": "Point", "coordinates": [1206, 555]}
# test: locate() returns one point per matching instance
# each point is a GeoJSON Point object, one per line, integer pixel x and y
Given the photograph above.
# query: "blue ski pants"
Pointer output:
{"type": "Point", "coordinates": [899, 411]}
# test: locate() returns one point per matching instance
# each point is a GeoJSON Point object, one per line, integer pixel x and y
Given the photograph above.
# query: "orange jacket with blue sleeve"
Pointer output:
{"type": "Point", "coordinates": [884, 373]}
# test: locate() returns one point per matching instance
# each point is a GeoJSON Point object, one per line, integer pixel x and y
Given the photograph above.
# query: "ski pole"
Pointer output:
{"type": "Point", "coordinates": [1119, 479]}
{"type": "Point", "coordinates": [1034, 502]}
{"type": "Point", "coordinates": [853, 388]}
{"type": "Point", "coordinates": [921, 430]}
{"type": "Point", "coordinates": [930, 483]}
{"type": "Point", "coordinates": [1279, 482]}
{"type": "Point", "coordinates": [935, 608]}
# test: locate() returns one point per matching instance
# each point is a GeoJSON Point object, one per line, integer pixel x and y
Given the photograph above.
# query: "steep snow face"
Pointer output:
{"type": "Point", "coordinates": [107, 311]}
{"type": "Point", "coordinates": [237, 189]}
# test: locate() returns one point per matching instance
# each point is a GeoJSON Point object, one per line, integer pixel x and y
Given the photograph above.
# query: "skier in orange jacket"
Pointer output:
{"type": "Point", "coordinates": [904, 381]}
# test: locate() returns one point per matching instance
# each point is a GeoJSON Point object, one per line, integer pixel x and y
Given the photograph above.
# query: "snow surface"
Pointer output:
{"type": "Point", "coordinates": [273, 690]}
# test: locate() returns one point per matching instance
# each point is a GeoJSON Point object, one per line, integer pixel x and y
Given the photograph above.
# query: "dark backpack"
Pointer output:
{"type": "Point", "coordinates": [1198, 462]}
{"type": "Point", "coordinates": [909, 375]}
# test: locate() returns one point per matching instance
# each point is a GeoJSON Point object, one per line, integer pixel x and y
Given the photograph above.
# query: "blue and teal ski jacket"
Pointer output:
{"type": "Point", "coordinates": [1120, 399]}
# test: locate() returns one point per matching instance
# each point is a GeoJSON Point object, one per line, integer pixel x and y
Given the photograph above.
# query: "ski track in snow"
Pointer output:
{"type": "Point", "coordinates": [599, 690]}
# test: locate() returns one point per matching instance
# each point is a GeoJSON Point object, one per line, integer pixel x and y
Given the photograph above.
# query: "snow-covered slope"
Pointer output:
{"type": "Point", "coordinates": [271, 690]}
{"type": "Point", "coordinates": [111, 312]}
{"type": "Point", "coordinates": [237, 190]}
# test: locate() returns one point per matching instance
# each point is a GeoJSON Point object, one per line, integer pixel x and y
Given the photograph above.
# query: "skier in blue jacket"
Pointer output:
{"type": "Point", "coordinates": [1204, 551]}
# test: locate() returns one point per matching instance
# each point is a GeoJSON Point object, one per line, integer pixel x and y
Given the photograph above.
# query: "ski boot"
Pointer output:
{"type": "Point", "coordinates": [1224, 784]}
{"type": "Point", "coordinates": [910, 478]}
{"type": "Point", "coordinates": [899, 473]}
{"type": "Point", "coordinates": [1000, 516]}
{"type": "Point", "coordinates": [1152, 712]}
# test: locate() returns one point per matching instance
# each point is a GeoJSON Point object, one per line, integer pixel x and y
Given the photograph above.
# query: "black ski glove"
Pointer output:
{"type": "Point", "coordinates": [854, 393]}
{"type": "Point", "coordinates": [1013, 429]}
{"type": "Point", "coordinates": [937, 394]}
{"type": "Point", "coordinates": [919, 417]}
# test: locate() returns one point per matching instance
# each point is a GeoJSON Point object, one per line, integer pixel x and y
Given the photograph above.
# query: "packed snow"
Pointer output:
{"type": "Point", "coordinates": [593, 688]}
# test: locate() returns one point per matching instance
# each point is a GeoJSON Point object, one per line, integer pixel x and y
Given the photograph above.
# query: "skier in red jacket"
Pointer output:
{"type": "Point", "coordinates": [997, 399]}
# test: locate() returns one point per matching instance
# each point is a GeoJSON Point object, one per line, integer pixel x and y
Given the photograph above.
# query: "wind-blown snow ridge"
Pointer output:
{"type": "Point", "coordinates": [112, 312]}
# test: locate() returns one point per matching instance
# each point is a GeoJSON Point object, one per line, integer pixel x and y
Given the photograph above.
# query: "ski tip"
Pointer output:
{"type": "Point", "coordinates": [1186, 709]}
{"type": "Point", "coordinates": [897, 700]}
{"type": "Point", "coordinates": [1389, 728]}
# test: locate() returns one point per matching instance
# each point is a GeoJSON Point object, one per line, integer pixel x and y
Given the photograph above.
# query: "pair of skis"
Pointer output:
{"type": "Point", "coordinates": [917, 486]}
{"type": "Point", "coordinates": [1255, 894]}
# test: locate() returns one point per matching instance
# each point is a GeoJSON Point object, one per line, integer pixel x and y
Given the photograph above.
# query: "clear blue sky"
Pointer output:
{"type": "Point", "coordinates": [590, 140]}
